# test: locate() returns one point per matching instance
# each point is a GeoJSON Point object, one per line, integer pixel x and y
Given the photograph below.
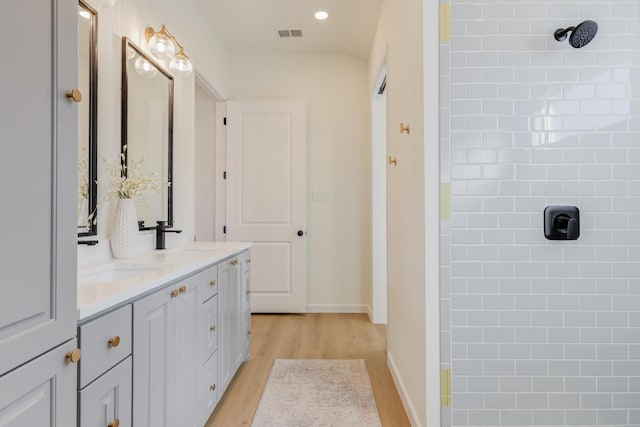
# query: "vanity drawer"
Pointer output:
{"type": "Point", "coordinates": [207, 280]}
{"type": "Point", "coordinates": [208, 322]}
{"type": "Point", "coordinates": [104, 342]}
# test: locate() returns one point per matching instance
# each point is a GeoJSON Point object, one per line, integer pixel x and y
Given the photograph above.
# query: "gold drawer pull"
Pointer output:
{"type": "Point", "coordinates": [114, 423]}
{"type": "Point", "coordinates": [175, 293]}
{"type": "Point", "coordinates": [213, 328]}
{"type": "Point", "coordinates": [75, 95]}
{"type": "Point", "coordinates": [183, 289]}
{"type": "Point", "coordinates": [73, 356]}
{"type": "Point", "coordinates": [212, 283]}
{"type": "Point", "coordinates": [115, 341]}
{"type": "Point", "coordinates": [234, 262]}
{"type": "Point", "coordinates": [213, 387]}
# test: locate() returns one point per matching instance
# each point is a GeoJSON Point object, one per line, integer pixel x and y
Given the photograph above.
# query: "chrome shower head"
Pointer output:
{"type": "Point", "coordinates": [581, 34]}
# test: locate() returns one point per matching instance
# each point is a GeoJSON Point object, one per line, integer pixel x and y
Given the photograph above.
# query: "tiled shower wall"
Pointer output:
{"type": "Point", "coordinates": [541, 332]}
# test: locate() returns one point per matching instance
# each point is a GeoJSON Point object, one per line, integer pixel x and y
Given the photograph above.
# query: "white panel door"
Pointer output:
{"type": "Point", "coordinates": [266, 199]}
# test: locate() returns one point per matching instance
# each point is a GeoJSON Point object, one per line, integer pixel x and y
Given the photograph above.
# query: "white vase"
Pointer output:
{"type": "Point", "coordinates": [124, 230]}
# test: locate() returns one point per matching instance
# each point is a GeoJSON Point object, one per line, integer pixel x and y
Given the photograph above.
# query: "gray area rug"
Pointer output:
{"type": "Point", "coordinates": [318, 392]}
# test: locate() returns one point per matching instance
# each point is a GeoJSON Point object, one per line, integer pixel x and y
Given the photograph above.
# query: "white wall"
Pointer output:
{"type": "Point", "coordinates": [335, 89]}
{"type": "Point", "coordinates": [205, 165]}
{"type": "Point", "coordinates": [129, 18]}
{"type": "Point", "coordinates": [544, 332]}
{"type": "Point", "coordinates": [399, 40]}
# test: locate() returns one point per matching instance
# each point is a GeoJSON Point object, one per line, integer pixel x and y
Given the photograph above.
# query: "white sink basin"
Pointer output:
{"type": "Point", "coordinates": [116, 272]}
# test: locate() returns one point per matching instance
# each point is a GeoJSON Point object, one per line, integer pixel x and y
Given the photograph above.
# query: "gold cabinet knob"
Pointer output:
{"type": "Point", "coordinates": [213, 328]}
{"type": "Point", "coordinates": [405, 128]}
{"type": "Point", "coordinates": [115, 341]}
{"type": "Point", "coordinates": [212, 283]}
{"type": "Point", "coordinates": [73, 356]}
{"type": "Point", "coordinates": [183, 289]}
{"type": "Point", "coordinates": [234, 262]}
{"type": "Point", "coordinates": [114, 423]}
{"type": "Point", "coordinates": [393, 161]}
{"type": "Point", "coordinates": [175, 293]}
{"type": "Point", "coordinates": [75, 95]}
{"type": "Point", "coordinates": [213, 387]}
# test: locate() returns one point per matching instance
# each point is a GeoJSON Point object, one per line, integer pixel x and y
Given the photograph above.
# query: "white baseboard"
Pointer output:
{"type": "Point", "coordinates": [402, 391]}
{"type": "Point", "coordinates": [329, 308]}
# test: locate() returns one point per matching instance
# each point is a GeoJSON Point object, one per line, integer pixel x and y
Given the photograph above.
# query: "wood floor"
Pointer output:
{"type": "Point", "coordinates": [309, 336]}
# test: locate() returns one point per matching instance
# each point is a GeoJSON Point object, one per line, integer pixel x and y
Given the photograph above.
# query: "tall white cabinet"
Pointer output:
{"type": "Point", "coordinates": [38, 186]}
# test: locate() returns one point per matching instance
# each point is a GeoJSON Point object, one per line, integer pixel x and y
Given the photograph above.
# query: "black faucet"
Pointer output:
{"type": "Point", "coordinates": [161, 229]}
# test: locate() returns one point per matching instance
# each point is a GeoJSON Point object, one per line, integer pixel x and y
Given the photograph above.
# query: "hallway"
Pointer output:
{"type": "Point", "coordinates": [310, 336]}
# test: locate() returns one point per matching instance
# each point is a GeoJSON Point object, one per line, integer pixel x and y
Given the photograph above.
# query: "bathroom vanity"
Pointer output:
{"type": "Point", "coordinates": [162, 335]}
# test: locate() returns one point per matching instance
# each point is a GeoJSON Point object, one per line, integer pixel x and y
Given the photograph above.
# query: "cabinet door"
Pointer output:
{"type": "Point", "coordinates": [40, 393]}
{"type": "Point", "coordinates": [237, 329]}
{"type": "Point", "coordinates": [225, 323]}
{"type": "Point", "coordinates": [154, 360]}
{"type": "Point", "coordinates": [108, 398]}
{"type": "Point", "coordinates": [208, 391]}
{"type": "Point", "coordinates": [38, 171]}
{"type": "Point", "coordinates": [187, 360]}
{"type": "Point", "coordinates": [246, 283]}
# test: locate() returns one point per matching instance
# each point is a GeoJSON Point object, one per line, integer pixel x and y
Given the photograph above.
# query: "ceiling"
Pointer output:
{"type": "Point", "coordinates": [251, 26]}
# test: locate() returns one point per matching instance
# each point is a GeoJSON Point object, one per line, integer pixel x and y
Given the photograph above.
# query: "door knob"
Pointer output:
{"type": "Point", "coordinates": [300, 233]}
{"type": "Point", "coordinates": [115, 341]}
{"type": "Point", "coordinates": [75, 95]}
{"type": "Point", "coordinates": [73, 356]}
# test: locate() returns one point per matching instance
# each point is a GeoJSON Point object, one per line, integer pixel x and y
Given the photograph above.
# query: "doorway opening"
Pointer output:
{"type": "Point", "coordinates": [379, 199]}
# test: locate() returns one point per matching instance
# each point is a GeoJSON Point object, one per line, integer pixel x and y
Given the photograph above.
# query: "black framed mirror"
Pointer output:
{"type": "Point", "coordinates": [87, 119]}
{"type": "Point", "coordinates": [147, 128]}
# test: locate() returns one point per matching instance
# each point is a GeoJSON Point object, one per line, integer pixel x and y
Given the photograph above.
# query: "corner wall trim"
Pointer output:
{"type": "Point", "coordinates": [338, 308]}
{"type": "Point", "coordinates": [402, 391]}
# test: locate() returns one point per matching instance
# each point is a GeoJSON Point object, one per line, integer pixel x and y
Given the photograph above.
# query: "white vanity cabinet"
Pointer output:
{"type": "Point", "coordinates": [167, 353]}
{"type": "Point", "coordinates": [38, 174]}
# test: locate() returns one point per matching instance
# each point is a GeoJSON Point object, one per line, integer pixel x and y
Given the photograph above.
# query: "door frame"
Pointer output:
{"type": "Point", "coordinates": [378, 307]}
{"type": "Point", "coordinates": [202, 83]}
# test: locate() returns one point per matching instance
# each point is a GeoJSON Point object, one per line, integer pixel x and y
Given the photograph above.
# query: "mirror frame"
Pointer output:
{"type": "Point", "coordinates": [92, 229]}
{"type": "Point", "coordinates": [127, 43]}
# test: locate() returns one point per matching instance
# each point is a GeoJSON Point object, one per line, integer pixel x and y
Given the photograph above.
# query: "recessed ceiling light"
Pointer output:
{"type": "Point", "coordinates": [321, 15]}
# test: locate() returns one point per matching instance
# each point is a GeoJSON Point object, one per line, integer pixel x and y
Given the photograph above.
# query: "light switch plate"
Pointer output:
{"type": "Point", "coordinates": [320, 196]}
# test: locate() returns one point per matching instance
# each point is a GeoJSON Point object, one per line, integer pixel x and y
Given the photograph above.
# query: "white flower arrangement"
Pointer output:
{"type": "Point", "coordinates": [130, 182]}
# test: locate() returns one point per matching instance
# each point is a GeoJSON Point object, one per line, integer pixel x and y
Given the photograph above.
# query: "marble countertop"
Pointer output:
{"type": "Point", "coordinates": [150, 271]}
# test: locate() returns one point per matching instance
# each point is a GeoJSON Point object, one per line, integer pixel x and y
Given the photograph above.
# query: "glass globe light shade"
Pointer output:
{"type": "Point", "coordinates": [144, 68]}
{"type": "Point", "coordinates": [161, 46]}
{"type": "Point", "coordinates": [104, 3]}
{"type": "Point", "coordinates": [180, 64]}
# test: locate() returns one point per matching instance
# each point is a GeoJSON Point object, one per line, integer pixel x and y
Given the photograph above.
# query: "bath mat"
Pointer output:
{"type": "Point", "coordinates": [317, 392]}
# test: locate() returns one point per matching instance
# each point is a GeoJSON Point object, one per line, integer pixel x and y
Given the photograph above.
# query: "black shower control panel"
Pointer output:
{"type": "Point", "coordinates": [562, 223]}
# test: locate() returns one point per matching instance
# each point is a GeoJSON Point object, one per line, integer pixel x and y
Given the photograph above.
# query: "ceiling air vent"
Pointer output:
{"type": "Point", "coordinates": [289, 33]}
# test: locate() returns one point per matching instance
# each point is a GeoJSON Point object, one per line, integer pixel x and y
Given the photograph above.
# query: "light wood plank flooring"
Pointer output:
{"type": "Point", "coordinates": [309, 336]}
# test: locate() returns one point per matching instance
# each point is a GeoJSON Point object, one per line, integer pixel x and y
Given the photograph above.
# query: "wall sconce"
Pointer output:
{"type": "Point", "coordinates": [163, 45]}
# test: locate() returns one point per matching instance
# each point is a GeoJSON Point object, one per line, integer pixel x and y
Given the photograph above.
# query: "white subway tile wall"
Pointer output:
{"type": "Point", "coordinates": [541, 332]}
